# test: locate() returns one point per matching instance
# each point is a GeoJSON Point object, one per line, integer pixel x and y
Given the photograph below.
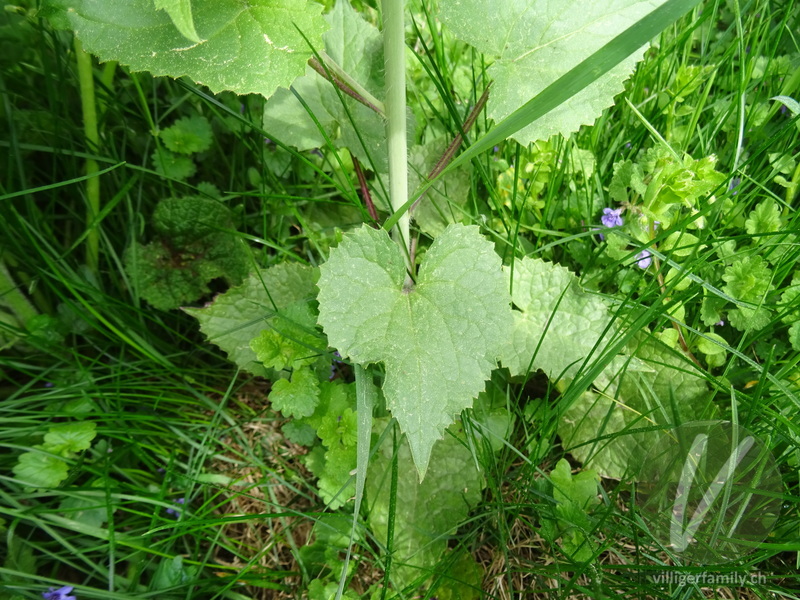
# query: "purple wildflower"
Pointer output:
{"type": "Point", "coordinates": [734, 184]}
{"type": "Point", "coordinates": [496, 149]}
{"type": "Point", "coordinates": [643, 259]}
{"type": "Point", "coordinates": [612, 217]}
{"type": "Point", "coordinates": [719, 323]}
{"type": "Point", "coordinates": [176, 512]}
{"type": "Point", "coordinates": [61, 593]}
{"type": "Point", "coordinates": [627, 144]}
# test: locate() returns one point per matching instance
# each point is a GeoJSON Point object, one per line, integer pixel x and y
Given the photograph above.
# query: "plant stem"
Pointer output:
{"type": "Point", "coordinates": [394, 48]}
{"type": "Point", "coordinates": [89, 110]}
{"type": "Point", "coordinates": [341, 79]}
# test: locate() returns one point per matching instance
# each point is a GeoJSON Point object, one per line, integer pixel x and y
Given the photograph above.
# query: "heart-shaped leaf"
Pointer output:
{"type": "Point", "coordinates": [439, 339]}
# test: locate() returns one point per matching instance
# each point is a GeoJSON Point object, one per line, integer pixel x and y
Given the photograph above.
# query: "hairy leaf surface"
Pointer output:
{"type": "Point", "coordinates": [535, 42]}
{"type": "Point", "coordinates": [247, 47]}
{"type": "Point", "coordinates": [439, 339]}
{"type": "Point", "coordinates": [557, 325]}
{"type": "Point", "coordinates": [427, 511]}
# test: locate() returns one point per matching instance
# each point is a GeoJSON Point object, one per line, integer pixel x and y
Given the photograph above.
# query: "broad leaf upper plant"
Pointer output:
{"type": "Point", "coordinates": [438, 331]}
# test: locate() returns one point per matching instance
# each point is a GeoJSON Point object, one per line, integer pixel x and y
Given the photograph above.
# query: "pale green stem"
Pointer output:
{"type": "Point", "coordinates": [394, 48]}
{"type": "Point", "coordinates": [89, 109]}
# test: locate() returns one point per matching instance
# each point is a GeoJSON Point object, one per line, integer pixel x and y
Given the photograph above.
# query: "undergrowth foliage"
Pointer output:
{"type": "Point", "coordinates": [439, 356]}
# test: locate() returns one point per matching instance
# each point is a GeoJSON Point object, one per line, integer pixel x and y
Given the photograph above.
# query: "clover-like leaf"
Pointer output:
{"type": "Point", "coordinates": [439, 339]}
{"type": "Point", "coordinates": [534, 43]}
{"type": "Point", "coordinates": [249, 47]}
{"type": "Point", "coordinates": [557, 326]}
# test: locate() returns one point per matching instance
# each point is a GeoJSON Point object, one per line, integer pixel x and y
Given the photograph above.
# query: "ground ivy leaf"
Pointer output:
{"type": "Point", "coordinates": [243, 312]}
{"type": "Point", "coordinates": [292, 342]}
{"type": "Point", "coordinates": [40, 470]}
{"type": "Point", "coordinates": [573, 322]}
{"type": "Point", "coordinates": [67, 439]}
{"type": "Point", "coordinates": [298, 397]}
{"type": "Point", "coordinates": [439, 339]}
{"type": "Point", "coordinates": [357, 47]}
{"type": "Point", "coordinates": [248, 48]}
{"type": "Point", "coordinates": [534, 43]}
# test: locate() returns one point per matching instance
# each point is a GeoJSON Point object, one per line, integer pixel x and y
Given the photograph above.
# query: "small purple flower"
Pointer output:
{"type": "Point", "coordinates": [643, 259]}
{"type": "Point", "coordinates": [49, 384]}
{"type": "Point", "coordinates": [719, 323]}
{"type": "Point", "coordinates": [318, 152]}
{"type": "Point", "coordinates": [627, 144]}
{"type": "Point", "coordinates": [61, 593]}
{"type": "Point", "coordinates": [612, 217]}
{"type": "Point", "coordinates": [734, 184]}
{"type": "Point", "coordinates": [496, 149]}
{"type": "Point", "coordinates": [176, 512]}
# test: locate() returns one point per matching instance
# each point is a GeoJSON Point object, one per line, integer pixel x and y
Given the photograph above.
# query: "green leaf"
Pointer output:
{"type": "Point", "coordinates": [188, 135]}
{"type": "Point", "coordinates": [298, 397]}
{"type": "Point", "coordinates": [580, 489]}
{"type": "Point", "coordinates": [242, 313]}
{"type": "Point", "coordinates": [292, 342]}
{"type": "Point", "coordinates": [765, 218]}
{"type": "Point", "coordinates": [533, 44]}
{"type": "Point", "coordinates": [568, 84]}
{"type": "Point", "coordinates": [426, 512]}
{"type": "Point", "coordinates": [195, 243]}
{"type": "Point", "coordinates": [557, 324]}
{"type": "Point", "coordinates": [336, 483]}
{"type": "Point", "coordinates": [300, 433]}
{"type": "Point", "coordinates": [439, 339]}
{"type": "Point", "coordinates": [40, 470]}
{"type": "Point", "coordinates": [339, 429]}
{"type": "Point", "coordinates": [180, 11]}
{"type": "Point", "coordinates": [247, 48]}
{"type": "Point", "coordinates": [574, 495]}
{"type": "Point", "coordinates": [89, 509]}
{"type": "Point", "coordinates": [173, 166]}
{"type": "Point", "coordinates": [357, 47]}
{"type": "Point", "coordinates": [445, 202]}
{"type": "Point", "coordinates": [68, 439]}
{"type": "Point", "coordinates": [658, 386]}
{"type": "Point", "coordinates": [748, 279]}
